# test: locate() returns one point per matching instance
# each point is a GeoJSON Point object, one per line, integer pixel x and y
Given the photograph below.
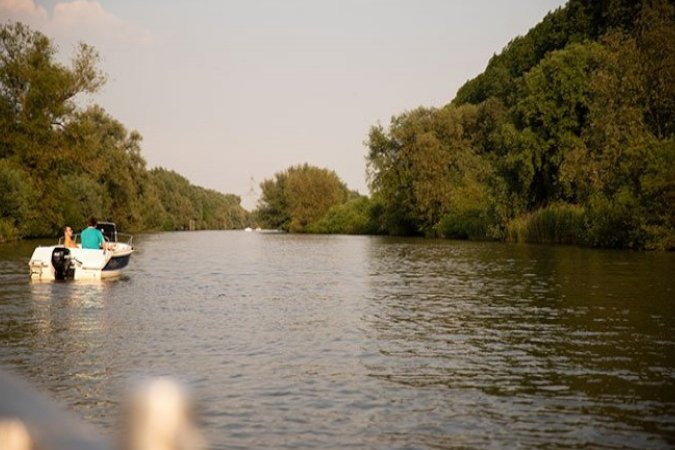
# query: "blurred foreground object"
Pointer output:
{"type": "Point", "coordinates": [48, 427]}
{"type": "Point", "coordinates": [158, 416]}
{"type": "Point", "coordinates": [161, 418]}
{"type": "Point", "coordinates": [14, 435]}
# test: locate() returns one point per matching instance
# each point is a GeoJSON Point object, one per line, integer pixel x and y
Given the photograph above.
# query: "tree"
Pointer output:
{"type": "Point", "coordinates": [181, 203]}
{"type": "Point", "coordinates": [356, 216]}
{"type": "Point", "coordinates": [37, 93]}
{"type": "Point", "coordinates": [80, 162]}
{"type": "Point", "coordinates": [299, 196]}
{"type": "Point", "coordinates": [571, 124]}
{"type": "Point", "coordinates": [553, 112]}
{"type": "Point", "coordinates": [656, 42]}
{"type": "Point", "coordinates": [273, 209]}
{"type": "Point", "coordinates": [36, 100]}
{"type": "Point", "coordinates": [421, 164]}
{"type": "Point", "coordinates": [16, 194]}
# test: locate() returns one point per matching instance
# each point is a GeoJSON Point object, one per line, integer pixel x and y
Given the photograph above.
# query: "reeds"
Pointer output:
{"type": "Point", "coordinates": [559, 223]}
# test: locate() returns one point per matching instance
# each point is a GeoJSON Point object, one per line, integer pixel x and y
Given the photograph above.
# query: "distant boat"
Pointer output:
{"type": "Point", "coordinates": [57, 262]}
{"type": "Point", "coordinates": [248, 229]}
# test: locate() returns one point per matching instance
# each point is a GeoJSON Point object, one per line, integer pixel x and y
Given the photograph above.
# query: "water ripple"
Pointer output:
{"type": "Point", "coordinates": [354, 342]}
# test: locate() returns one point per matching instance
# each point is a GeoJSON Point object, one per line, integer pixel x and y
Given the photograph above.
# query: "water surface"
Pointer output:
{"type": "Point", "coordinates": [294, 342]}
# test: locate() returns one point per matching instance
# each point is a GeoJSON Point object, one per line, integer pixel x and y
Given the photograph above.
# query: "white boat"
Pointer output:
{"type": "Point", "coordinates": [57, 262]}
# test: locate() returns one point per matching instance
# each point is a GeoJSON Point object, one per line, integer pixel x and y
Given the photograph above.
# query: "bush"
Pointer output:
{"type": "Point", "coordinates": [560, 223]}
{"type": "Point", "coordinates": [465, 224]}
{"type": "Point", "coordinates": [616, 222]}
{"type": "Point", "coordinates": [470, 215]}
{"type": "Point", "coordinates": [356, 216]}
{"type": "Point", "coordinates": [8, 231]}
{"type": "Point", "coordinates": [660, 238]}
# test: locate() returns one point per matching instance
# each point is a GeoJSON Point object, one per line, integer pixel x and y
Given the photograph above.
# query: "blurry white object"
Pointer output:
{"type": "Point", "coordinates": [161, 418]}
{"type": "Point", "coordinates": [14, 435]}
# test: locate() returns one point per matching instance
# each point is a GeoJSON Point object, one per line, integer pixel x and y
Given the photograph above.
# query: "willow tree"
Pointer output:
{"type": "Point", "coordinates": [37, 93]}
{"type": "Point", "coordinates": [37, 100]}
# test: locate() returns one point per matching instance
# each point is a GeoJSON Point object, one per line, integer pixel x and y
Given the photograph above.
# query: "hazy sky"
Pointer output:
{"type": "Point", "coordinates": [223, 91]}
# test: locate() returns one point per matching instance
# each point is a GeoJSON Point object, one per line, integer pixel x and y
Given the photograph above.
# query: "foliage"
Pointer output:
{"type": "Point", "coordinates": [568, 136]}
{"type": "Point", "coordinates": [16, 194]}
{"type": "Point", "coordinates": [419, 164]}
{"type": "Point", "coordinates": [181, 203]}
{"type": "Point", "coordinates": [356, 216]}
{"type": "Point", "coordinates": [616, 221]}
{"type": "Point", "coordinates": [60, 163]}
{"type": "Point", "coordinates": [299, 196]}
{"type": "Point", "coordinates": [576, 22]}
{"type": "Point", "coordinates": [470, 215]}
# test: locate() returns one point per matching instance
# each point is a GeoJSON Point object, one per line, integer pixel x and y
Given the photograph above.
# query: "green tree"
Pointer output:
{"type": "Point", "coordinates": [299, 196]}
{"type": "Point", "coordinates": [567, 136]}
{"type": "Point", "coordinates": [37, 94]}
{"type": "Point", "coordinates": [273, 209]}
{"type": "Point", "coordinates": [553, 112]}
{"type": "Point", "coordinates": [102, 149]}
{"type": "Point", "coordinates": [181, 203]}
{"type": "Point", "coordinates": [16, 196]}
{"type": "Point", "coordinates": [80, 162]}
{"type": "Point", "coordinates": [656, 42]}
{"type": "Point", "coordinates": [37, 98]}
{"type": "Point", "coordinates": [419, 167]}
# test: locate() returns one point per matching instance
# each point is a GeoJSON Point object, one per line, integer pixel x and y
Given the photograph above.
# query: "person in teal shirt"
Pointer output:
{"type": "Point", "coordinates": [91, 237]}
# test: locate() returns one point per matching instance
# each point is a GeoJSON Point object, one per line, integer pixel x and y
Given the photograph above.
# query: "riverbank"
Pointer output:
{"type": "Point", "coordinates": [558, 223]}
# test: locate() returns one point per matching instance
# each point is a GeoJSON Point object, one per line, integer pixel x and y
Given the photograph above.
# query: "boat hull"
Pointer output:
{"type": "Point", "coordinates": [78, 263]}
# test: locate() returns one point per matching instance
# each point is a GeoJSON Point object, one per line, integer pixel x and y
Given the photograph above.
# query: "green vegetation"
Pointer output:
{"type": "Point", "coordinates": [308, 199]}
{"type": "Point", "coordinates": [358, 215]}
{"type": "Point", "coordinates": [299, 196]}
{"type": "Point", "coordinates": [555, 224]}
{"type": "Point", "coordinates": [60, 163]}
{"type": "Point", "coordinates": [567, 137]}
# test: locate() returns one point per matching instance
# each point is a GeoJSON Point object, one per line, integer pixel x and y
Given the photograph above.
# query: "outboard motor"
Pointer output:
{"type": "Point", "coordinates": [63, 266]}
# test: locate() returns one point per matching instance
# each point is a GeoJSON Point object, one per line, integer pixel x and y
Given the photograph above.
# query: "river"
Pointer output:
{"type": "Point", "coordinates": [298, 342]}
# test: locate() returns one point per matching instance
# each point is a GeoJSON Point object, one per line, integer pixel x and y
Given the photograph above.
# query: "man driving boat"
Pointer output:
{"type": "Point", "coordinates": [91, 237]}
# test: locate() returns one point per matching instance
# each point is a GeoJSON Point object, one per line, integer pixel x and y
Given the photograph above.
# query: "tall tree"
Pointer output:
{"type": "Point", "coordinates": [299, 196]}
{"type": "Point", "coordinates": [60, 163]}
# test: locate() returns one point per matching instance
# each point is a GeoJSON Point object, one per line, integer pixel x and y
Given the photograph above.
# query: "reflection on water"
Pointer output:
{"type": "Point", "coordinates": [338, 342]}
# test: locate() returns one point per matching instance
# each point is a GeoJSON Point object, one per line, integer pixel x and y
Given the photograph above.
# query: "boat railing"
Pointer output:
{"type": "Point", "coordinates": [125, 238]}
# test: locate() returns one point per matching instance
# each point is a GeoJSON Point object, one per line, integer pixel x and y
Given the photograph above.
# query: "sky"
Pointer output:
{"type": "Point", "coordinates": [230, 92]}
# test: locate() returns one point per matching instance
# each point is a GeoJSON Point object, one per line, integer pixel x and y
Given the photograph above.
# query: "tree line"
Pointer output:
{"type": "Point", "coordinates": [60, 162]}
{"type": "Point", "coordinates": [568, 136]}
